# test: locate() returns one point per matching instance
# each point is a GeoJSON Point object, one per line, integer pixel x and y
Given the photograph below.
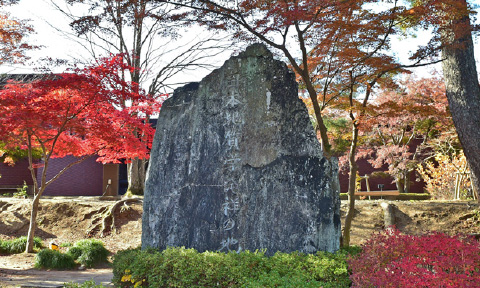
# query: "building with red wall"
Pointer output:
{"type": "Point", "coordinates": [365, 168]}
{"type": "Point", "coordinates": [83, 179]}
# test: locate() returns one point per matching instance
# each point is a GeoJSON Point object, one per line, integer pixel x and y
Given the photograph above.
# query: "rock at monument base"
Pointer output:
{"type": "Point", "coordinates": [235, 165]}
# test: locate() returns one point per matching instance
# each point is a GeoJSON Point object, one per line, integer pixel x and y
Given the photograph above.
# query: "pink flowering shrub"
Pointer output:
{"type": "Point", "coordinates": [391, 259]}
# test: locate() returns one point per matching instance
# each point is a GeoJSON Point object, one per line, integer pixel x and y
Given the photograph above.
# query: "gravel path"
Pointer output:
{"type": "Point", "coordinates": [40, 278]}
{"type": "Point", "coordinates": [17, 271]}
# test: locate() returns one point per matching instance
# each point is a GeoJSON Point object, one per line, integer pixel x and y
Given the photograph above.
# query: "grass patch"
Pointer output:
{"type": "Point", "coordinates": [19, 245]}
{"type": "Point", "coordinates": [89, 252]}
{"type": "Point", "coordinates": [52, 259]}
{"type": "Point", "coordinates": [66, 244]}
{"type": "Point", "coordinates": [86, 284]}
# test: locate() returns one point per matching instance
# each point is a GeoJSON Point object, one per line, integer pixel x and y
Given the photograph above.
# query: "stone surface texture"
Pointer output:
{"type": "Point", "coordinates": [235, 165]}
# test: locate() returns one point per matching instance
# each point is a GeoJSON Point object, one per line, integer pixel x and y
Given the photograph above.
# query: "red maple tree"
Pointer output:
{"type": "Point", "coordinates": [80, 114]}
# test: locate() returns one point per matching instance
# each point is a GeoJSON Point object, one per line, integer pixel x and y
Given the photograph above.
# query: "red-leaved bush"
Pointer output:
{"type": "Point", "coordinates": [391, 259]}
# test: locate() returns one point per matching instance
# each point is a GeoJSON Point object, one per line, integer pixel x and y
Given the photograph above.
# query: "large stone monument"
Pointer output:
{"type": "Point", "coordinates": [235, 165]}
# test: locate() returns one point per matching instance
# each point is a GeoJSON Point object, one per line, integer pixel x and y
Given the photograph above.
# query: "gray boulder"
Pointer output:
{"type": "Point", "coordinates": [235, 165]}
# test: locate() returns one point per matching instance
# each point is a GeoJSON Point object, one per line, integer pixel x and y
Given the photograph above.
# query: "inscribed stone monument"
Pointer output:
{"type": "Point", "coordinates": [235, 165]}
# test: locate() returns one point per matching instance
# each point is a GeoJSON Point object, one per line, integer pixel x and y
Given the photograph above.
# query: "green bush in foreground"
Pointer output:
{"type": "Point", "coordinates": [19, 245]}
{"type": "Point", "coordinates": [86, 284]}
{"type": "Point", "coordinates": [52, 259]}
{"type": "Point", "coordinates": [180, 267]}
{"type": "Point", "coordinates": [89, 252]}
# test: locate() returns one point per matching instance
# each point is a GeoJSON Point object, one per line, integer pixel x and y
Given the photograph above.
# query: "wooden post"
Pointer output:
{"type": "Point", "coordinates": [366, 183]}
{"type": "Point", "coordinates": [457, 186]}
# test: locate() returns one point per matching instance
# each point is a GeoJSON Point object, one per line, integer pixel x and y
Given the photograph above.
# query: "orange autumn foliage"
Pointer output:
{"type": "Point", "coordinates": [12, 34]}
{"type": "Point", "coordinates": [403, 120]}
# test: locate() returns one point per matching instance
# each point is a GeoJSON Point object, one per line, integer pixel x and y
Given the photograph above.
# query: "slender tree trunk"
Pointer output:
{"type": "Point", "coordinates": [399, 182]}
{"type": "Point", "coordinates": [321, 128]}
{"type": "Point", "coordinates": [136, 169]}
{"type": "Point", "coordinates": [463, 91]}
{"type": "Point", "coordinates": [406, 183]}
{"type": "Point", "coordinates": [403, 182]}
{"type": "Point", "coordinates": [33, 223]}
{"type": "Point", "coordinates": [474, 189]}
{"type": "Point", "coordinates": [39, 189]}
{"type": "Point", "coordinates": [36, 197]}
{"type": "Point", "coordinates": [136, 176]}
{"type": "Point", "coordinates": [352, 179]}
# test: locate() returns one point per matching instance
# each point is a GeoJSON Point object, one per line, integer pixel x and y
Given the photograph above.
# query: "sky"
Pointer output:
{"type": "Point", "coordinates": [54, 45]}
{"type": "Point", "coordinates": [40, 13]}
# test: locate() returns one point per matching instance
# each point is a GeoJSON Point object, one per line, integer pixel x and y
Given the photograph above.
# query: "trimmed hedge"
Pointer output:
{"type": "Point", "coordinates": [402, 196]}
{"type": "Point", "coordinates": [19, 245]}
{"type": "Point", "coordinates": [89, 252]}
{"type": "Point", "coordinates": [180, 267]}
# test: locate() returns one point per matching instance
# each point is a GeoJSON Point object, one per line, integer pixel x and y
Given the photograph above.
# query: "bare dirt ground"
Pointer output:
{"type": "Point", "coordinates": [64, 220]}
{"type": "Point", "coordinates": [67, 220]}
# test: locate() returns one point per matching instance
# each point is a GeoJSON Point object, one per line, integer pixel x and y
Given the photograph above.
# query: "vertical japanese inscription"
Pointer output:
{"type": "Point", "coordinates": [232, 203]}
{"type": "Point", "coordinates": [235, 165]}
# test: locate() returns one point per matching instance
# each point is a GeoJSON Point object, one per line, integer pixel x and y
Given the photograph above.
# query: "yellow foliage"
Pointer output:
{"type": "Point", "coordinates": [358, 182]}
{"type": "Point", "coordinates": [128, 278]}
{"type": "Point", "coordinates": [442, 176]}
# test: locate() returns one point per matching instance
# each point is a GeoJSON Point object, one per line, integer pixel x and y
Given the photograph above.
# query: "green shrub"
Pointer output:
{"type": "Point", "coordinates": [19, 245]}
{"type": "Point", "coordinates": [180, 267]}
{"type": "Point", "coordinates": [75, 252]}
{"type": "Point", "coordinates": [86, 284]}
{"type": "Point", "coordinates": [66, 244]}
{"type": "Point", "coordinates": [21, 192]}
{"type": "Point", "coordinates": [52, 259]}
{"type": "Point", "coordinates": [89, 252]}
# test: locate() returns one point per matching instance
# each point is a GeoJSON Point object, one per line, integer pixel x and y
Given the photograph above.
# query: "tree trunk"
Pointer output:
{"type": "Point", "coordinates": [474, 188]}
{"type": "Point", "coordinates": [399, 182]}
{"type": "Point", "coordinates": [33, 223]}
{"type": "Point", "coordinates": [406, 182]}
{"type": "Point", "coordinates": [136, 176]}
{"type": "Point", "coordinates": [37, 192]}
{"type": "Point", "coordinates": [136, 169]}
{"type": "Point", "coordinates": [463, 91]}
{"type": "Point", "coordinates": [352, 184]}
